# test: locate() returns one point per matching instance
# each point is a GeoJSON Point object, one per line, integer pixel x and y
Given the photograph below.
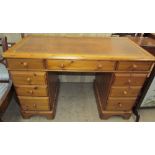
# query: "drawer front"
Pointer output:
{"type": "Point", "coordinates": [134, 66]}
{"type": "Point", "coordinates": [80, 65]}
{"type": "Point", "coordinates": [29, 90]}
{"type": "Point", "coordinates": [25, 64]}
{"type": "Point", "coordinates": [119, 104]}
{"type": "Point", "coordinates": [28, 78]}
{"type": "Point", "coordinates": [125, 91]}
{"type": "Point", "coordinates": [129, 79]}
{"type": "Point", "coordinates": [34, 103]}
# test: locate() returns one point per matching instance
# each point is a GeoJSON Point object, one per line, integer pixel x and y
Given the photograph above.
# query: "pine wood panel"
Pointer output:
{"type": "Point", "coordinates": [28, 78]}
{"type": "Point", "coordinates": [83, 54]}
{"type": "Point", "coordinates": [125, 91]}
{"type": "Point", "coordinates": [127, 79]}
{"type": "Point", "coordinates": [103, 83]}
{"type": "Point", "coordinates": [134, 66]}
{"type": "Point", "coordinates": [25, 64]}
{"type": "Point", "coordinates": [31, 90]}
{"type": "Point", "coordinates": [34, 103]}
{"type": "Point", "coordinates": [105, 114]}
{"type": "Point", "coordinates": [80, 65]}
{"type": "Point", "coordinates": [94, 48]}
{"type": "Point", "coordinates": [120, 104]}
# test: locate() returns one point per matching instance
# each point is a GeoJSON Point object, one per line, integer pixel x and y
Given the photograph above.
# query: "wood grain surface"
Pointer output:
{"type": "Point", "coordinates": [98, 48]}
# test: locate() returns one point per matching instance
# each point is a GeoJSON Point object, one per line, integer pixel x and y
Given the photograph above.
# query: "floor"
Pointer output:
{"type": "Point", "coordinates": [76, 103]}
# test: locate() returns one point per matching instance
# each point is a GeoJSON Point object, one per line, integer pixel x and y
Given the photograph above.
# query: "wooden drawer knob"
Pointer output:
{"type": "Point", "coordinates": [100, 66]}
{"type": "Point", "coordinates": [24, 107]}
{"type": "Point", "coordinates": [125, 92]}
{"type": "Point", "coordinates": [62, 65]}
{"type": "Point", "coordinates": [129, 81]}
{"type": "Point", "coordinates": [134, 66]}
{"type": "Point", "coordinates": [25, 64]}
{"type": "Point", "coordinates": [34, 105]}
{"type": "Point", "coordinates": [31, 91]}
{"type": "Point", "coordinates": [28, 79]}
{"type": "Point", "coordinates": [119, 104]}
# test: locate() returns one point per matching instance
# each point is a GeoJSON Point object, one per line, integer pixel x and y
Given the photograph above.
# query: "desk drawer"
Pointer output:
{"type": "Point", "coordinates": [122, 79]}
{"type": "Point", "coordinates": [80, 65]}
{"type": "Point", "coordinates": [34, 103]}
{"type": "Point", "coordinates": [30, 90]}
{"type": "Point", "coordinates": [25, 64]}
{"type": "Point", "coordinates": [28, 78]}
{"type": "Point", "coordinates": [119, 104]}
{"type": "Point", "coordinates": [125, 91]}
{"type": "Point", "coordinates": [134, 66]}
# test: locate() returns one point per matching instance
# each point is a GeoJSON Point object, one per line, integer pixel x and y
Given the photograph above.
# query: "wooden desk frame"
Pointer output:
{"type": "Point", "coordinates": [121, 68]}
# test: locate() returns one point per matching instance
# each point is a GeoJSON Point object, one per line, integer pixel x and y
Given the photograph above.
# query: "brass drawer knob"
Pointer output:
{"type": "Point", "coordinates": [125, 92]}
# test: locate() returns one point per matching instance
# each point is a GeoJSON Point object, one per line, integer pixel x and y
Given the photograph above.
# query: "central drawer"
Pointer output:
{"type": "Point", "coordinates": [28, 78]}
{"type": "Point", "coordinates": [89, 65]}
{"type": "Point", "coordinates": [34, 103]}
{"type": "Point", "coordinates": [31, 90]}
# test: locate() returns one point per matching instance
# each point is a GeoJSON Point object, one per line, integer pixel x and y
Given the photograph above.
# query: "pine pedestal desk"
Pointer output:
{"type": "Point", "coordinates": [121, 68]}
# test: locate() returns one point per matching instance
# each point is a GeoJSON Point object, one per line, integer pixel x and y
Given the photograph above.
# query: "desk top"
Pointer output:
{"type": "Point", "coordinates": [94, 48]}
